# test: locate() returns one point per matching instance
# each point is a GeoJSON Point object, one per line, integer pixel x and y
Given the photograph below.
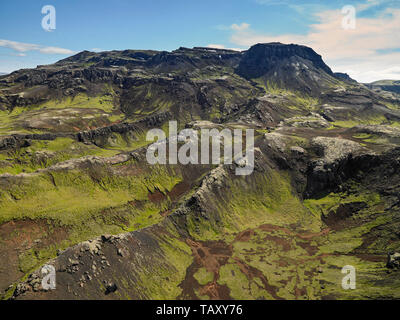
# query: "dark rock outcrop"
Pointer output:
{"type": "Point", "coordinates": [262, 58]}
{"type": "Point", "coordinates": [344, 76]}
{"type": "Point", "coordinates": [393, 260]}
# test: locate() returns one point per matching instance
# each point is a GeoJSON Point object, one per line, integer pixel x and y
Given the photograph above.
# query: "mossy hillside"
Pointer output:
{"type": "Point", "coordinates": [378, 139]}
{"type": "Point", "coordinates": [220, 96]}
{"type": "Point", "coordinates": [331, 202]}
{"type": "Point", "coordinates": [341, 247]}
{"type": "Point", "coordinates": [263, 199]}
{"type": "Point", "coordinates": [357, 238]}
{"type": "Point", "coordinates": [161, 278]}
{"type": "Point", "coordinates": [372, 279]}
{"type": "Point", "coordinates": [371, 215]}
{"type": "Point", "coordinates": [106, 103]}
{"type": "Point", "coordinates": [86, 204]}
{"type": "Point", "coordinates": [8, 119]}
{"type": "Point", "coordinates": [353, 123]}
{"type": "Point", "coordinates": [122, 220]}
{"type": "Point", "coordinates": [291, 249]}
{"type": "Point", "coordinates": [43, 154]}
{"type": "Point", "coordinates": [274, 204]}
{"type": "Point", "coordinates": [183, 101]}
{"type": "Point", "coordinates": [309, 266]}
{"type": "Point", "coordinates": [288, 252]}
{"type": "Point", "coordinates": [135, 139]}
{"type": "Point", "coordinates": [362, 118]}
{"type": "Point", "coordinates": [81, 100]}
{"type": "Point", "coordinates": [146, 99]}
{"type": "Point", "coordinates": [104, 98]}
{"type": "Point", "coordinates": [126, 142]}
{"type": "Point", "coordinates": [285, 259]}
{"type": "Point", "coordinates": [296, 100]}
{"type": "Point", "coordinates": [67, 195]}
{"type": "Point", "coordinates": [392, 106]}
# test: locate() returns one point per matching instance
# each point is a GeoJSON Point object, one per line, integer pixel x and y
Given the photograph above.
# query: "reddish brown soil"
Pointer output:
{"type": "Point", "coordinates": [174, 195]}
{"type": "Point", "coordinates": [252, 273]}
{"type": "Point", "coordinates": [210, 255]}
{"type": "Point", "coordinates": [305, 236]}
{"type": "Point", "coordinates": [285, 244]}
{"type": "Point", "coordinates": [215, 291]}
{"type": "Point", "coordinates": [177, 191]}
{"type": "Point", "coordinates": [372, 257]}
{"type": "Point", "coordinates": [300, 239]}
{"type": "Point", "coordinates": [157, 196]}
{"type": "Point", "coordinates": [16, 237]}
{"type": "Point", "coordinates": [245, 235]}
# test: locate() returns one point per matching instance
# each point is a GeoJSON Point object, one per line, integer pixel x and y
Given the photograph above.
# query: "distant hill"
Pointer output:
{"type": "Point", "coordinates": [386, 85]}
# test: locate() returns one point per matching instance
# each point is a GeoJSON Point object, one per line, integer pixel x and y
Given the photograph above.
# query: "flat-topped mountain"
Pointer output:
{"type": "Point", "coordinates": [287, 65]}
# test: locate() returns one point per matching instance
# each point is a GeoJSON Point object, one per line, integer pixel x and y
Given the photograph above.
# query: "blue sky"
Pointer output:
{"type": "Point", "coordinates": [368, 52]}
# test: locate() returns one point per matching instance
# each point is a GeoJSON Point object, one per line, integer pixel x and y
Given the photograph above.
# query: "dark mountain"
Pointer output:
{"type": "Point", "coordinates": [343, 76]}
{"type": "Point", "coordinates": [290, 66]}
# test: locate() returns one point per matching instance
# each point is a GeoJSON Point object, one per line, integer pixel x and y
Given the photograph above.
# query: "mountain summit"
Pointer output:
{"type": "Point", "coordinates": [291, 66]}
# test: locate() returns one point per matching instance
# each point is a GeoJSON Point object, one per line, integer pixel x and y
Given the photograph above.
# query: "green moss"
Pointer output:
{"type": "Point", "coordinates": [392, 106]}
{"type": "Point", "coordinates": [368, 120]}
{"type": "Point", "coordinates": [246, 204]}
{"type": "Point", "coordinates": [10, 122]}
{"type": "Point", "coordinates": [43, 154]}
{"type": "Point", "coordinates": [362, 136]}
{"type": "Point", "coordinates": [80, 199]}
{"type": "Point", "coordinates": [161, 279]}
{"type": "Point", "coordinates": [203, 276]}
{"type": "Point", "coordinates": [93, 202]}
{"type": "Point", "coordinates": [372, 280]}
{"type": "Point", "coordinates": [103, 102]}
{"type": "Point", "coordinates": [298, 100]}
{"type": "Point", "coordinates": [331, 202]}
{"type": "Point", "coordinates": [27, 261]}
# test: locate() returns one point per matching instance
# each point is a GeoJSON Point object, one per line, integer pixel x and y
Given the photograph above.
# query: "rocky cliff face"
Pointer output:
{"type": "Point", "coordinates": [77, 193]}
{"type": "Point", "coordinates": [260, 59]}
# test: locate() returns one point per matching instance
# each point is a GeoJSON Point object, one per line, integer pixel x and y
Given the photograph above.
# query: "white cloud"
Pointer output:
{"type": "Point", "coordinates": [55, 50]}
{"type": "Point", "coordinates": [356, 51]}
{"type": "Point", "coordinates": [240, 27]}
{"type": "Point", "coordinates": [18, 46]}
{"type": "Point", "coordinates": [220, 46]}
{"type": "Point", "coordinates": [25, 47]}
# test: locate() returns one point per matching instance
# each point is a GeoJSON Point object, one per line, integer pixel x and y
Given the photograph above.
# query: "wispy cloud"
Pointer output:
{"type": "Point", "coordinates": [359, 51]}
{"type": "Point", "coordinates": [361, 4]}
{"type": "Point", "coordinates": [22, 47]}
{"type": "Point", "coordinates": [220, 46]}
